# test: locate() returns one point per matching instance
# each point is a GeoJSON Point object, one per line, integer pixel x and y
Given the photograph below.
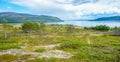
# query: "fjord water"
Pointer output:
{"type": "Point", "coordinates": [83, 23]}
{"type": "Point", "coordinates": [90, 23]}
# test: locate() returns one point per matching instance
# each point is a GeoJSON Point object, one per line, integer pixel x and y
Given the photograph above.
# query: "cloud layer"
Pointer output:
{"type": "Point", "coordinates": [71, 9]}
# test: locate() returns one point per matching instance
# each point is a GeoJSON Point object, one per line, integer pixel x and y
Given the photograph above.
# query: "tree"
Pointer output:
{"type": "Point", "coordinates": [26, 26]}
{"type": "Point", "coordinates": [35, 26]}
{"type": "Point", "coordinates": [30, 26]}
{"type": "Point", "coordinates": [42, 26]}
{"type": "Point", "coordinates": [4, 23]}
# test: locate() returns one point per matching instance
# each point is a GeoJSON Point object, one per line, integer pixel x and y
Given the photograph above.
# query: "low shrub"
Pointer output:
{"type": "Point", "coordinates": [100, 28]}
{"type": "Point", "coordinates": [7, 58]}
{"type": "Point", "coordinates": [40, 50]}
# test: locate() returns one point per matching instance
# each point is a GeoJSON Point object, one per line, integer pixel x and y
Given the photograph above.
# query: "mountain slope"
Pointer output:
{"type": "Point", "coordinates": [113, 18]}
{"type": "Point", "coordinates": [22, 17]}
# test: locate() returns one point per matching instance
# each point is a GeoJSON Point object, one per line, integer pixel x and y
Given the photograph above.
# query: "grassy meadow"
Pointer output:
{"type": "Point", "coordinates": [84, 45]}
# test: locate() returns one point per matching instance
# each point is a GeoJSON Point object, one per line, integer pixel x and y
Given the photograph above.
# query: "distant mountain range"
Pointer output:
{"type": "Point", "coordinates": [13, 17]}
{"type": "Point", "coordinates": [112, 18]}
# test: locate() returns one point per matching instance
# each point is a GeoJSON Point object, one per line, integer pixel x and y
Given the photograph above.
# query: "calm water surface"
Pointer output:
{"type": "Point", "coordinates": [84, 23]}
{"type": "Point", "coordinates": [90, 23]}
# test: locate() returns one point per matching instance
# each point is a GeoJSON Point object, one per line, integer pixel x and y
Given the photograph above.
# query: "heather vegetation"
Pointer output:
{"type": "Point", "coordinates": [38, 42]}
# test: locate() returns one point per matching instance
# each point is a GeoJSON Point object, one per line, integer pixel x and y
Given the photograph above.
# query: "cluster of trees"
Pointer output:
{"type": "Point", "coordinates": [100, 28]}
{"type": "Point", "coordinates": [26, 27]}
{"type": "Point", "coordinates": [33, 26]}
{"type": "Point", "coordinates": [104, 28]}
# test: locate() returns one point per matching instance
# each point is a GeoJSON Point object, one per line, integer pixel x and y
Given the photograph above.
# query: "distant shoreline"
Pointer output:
{"type": "Point", "coordinates": [82, 23]}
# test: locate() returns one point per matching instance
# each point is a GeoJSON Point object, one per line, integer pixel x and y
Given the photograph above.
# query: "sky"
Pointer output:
{"type": "Point", "coordinates": [64, 9]}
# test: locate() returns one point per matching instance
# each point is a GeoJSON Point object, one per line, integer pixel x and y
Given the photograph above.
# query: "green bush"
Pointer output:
{"type": "Point", "coordinates": [101, 28]}
{"type": "Point", "coordinates": [30, 26]}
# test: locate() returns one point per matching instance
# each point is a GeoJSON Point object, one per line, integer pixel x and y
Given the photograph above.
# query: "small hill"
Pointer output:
{"type": "Point", "coordinates": [13, 17]}
{"type": "Point", "coordinates": [113, 18]}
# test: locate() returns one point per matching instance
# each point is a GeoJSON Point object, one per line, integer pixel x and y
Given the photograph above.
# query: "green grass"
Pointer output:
{"type": "Point", "coordinates": [40, 50]}
{"type": "Point", "coordinates": [8, 44]}
{"type": "Point", "coordinates": [7, 58]}
{"type": "Point", "coordinates": [103, 48]}
{"type": "Point", "coordinates": [5, 46]}
{"type": "Point", "coordinates": [43, 60]}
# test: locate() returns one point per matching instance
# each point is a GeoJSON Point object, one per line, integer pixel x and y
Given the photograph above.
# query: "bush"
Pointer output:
{"type": "Point", "coordinates": [101, 28]}
{"type": "Point", "coordinates": [30, 26]}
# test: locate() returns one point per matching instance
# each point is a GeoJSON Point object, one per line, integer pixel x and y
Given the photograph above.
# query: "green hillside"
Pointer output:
{"type": "Point", "coordinates": [22, 17]}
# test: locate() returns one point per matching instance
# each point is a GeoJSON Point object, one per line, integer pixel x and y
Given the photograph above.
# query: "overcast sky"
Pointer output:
{"type": "Point", "coordinates": [64, 9]}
